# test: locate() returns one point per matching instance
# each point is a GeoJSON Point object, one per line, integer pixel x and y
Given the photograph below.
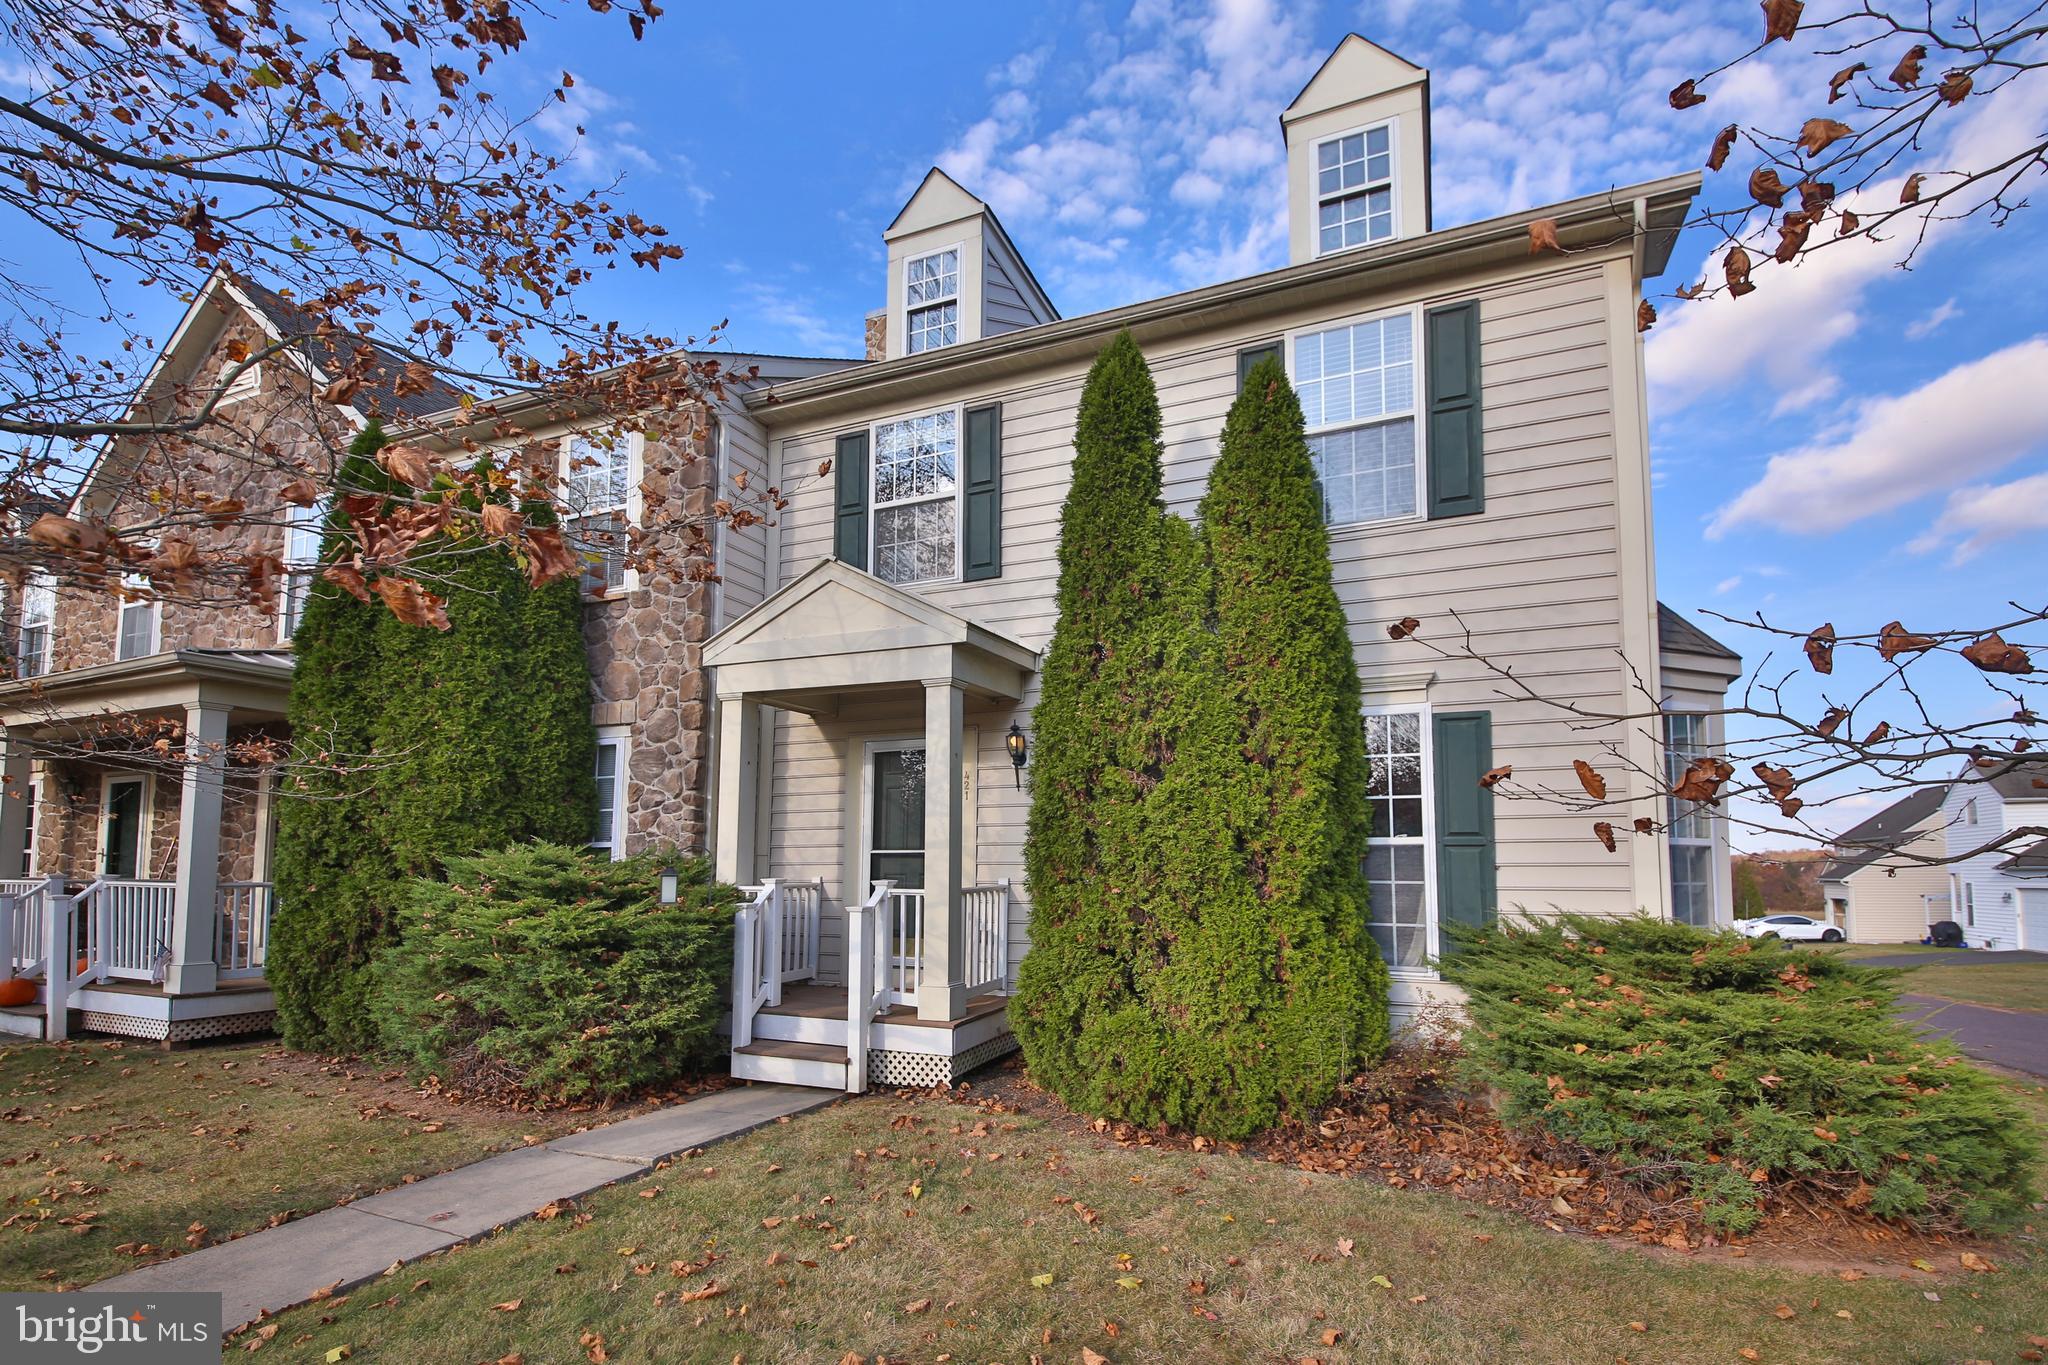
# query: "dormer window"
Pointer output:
{"type": "Point", "coordinates": [931, 300]}
{"type": "Point", "coordinates": [1355, 189]}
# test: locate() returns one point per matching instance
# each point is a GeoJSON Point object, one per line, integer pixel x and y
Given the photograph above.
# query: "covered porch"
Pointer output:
{"type": "Point", "coordinates": [891, 966]}
{"type": "Point", "coordinates": [137, 801]}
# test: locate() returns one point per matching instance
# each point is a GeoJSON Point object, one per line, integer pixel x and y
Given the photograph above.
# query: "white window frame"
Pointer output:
{"type": "Point", "coordinates": [148, 810]}
{"type": "Point", "coordinates": [1970, 811]}
{"type": "Point", "coordinates": [1317, 198]}
{"type": "Point", "coordinates": [295, 585]}
{"type": "Point", "coordinates": [1432, 924]}
{"type": "Point", "coordinates": [1702, 745]}
{"type": "Point", "coordinates": [40, 597]}
{"type": "Point", "coordinates": [1413, 312]}
{"type": "Point", "coordinates": [1969, 904]}
{"type": "Point", "coordinates": [619, 737]}
{"type": "Point", "coordinates": [959, 299]}
{"type": "Point", "coordinates": [956, 497]}
{"type": "Point", "coordinates": [32, 814]}
{"type": "Point", "coordinates": [631, 510]}
{"type": "Point", "coordinates": [135, 582]}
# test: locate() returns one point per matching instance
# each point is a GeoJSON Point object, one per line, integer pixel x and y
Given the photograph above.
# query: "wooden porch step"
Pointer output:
{"type": "Point", "coordinates": [787, 1062]}
{"type": "Point", "coordinates": [803, 1052]}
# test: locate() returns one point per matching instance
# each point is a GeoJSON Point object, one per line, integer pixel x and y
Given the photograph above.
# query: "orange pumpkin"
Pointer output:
{"type": "Point", "coordinates": [17, 990]}
{"type": "Point", "coordinates": [84, 966]}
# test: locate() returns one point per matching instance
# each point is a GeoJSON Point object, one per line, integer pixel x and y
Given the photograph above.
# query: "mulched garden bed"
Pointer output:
{"type": "Point", "coordinates": [1409, 1124]}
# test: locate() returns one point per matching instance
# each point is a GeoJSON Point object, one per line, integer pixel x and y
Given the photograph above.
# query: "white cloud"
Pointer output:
{"type": "Point", "coordinates": [1920, 328]}
{"type": "Point", "coordinates": [586, 130]}
{"type": "Point", "coordinates": [1981, 515]}
{"type": "Point", "coordinates": [1971, 421]}
{"type": "Point", "coordinates": [1727, 585]}
{"type": "Point", "coordinates": [770, 307]}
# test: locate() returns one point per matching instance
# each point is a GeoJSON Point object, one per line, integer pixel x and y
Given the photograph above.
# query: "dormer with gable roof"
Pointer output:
{"type": "Point", "coordinates": [1357, 153]}
{"type": "Point", "coordinates": [954, 274]}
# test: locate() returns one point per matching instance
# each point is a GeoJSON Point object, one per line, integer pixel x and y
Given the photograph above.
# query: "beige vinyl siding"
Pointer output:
{"type": "Point", "coordinates": [1893, 909]}
{"type": "Point", "coordinates": [1536, 577]}
{"type": "Point", "coordinates": [744, 554]}
{"type": "Point", "coordinates": [1004, 306]}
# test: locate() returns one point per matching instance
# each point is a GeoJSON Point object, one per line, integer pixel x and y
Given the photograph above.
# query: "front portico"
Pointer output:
{"type": "Point", "coordinates": [835, 641]}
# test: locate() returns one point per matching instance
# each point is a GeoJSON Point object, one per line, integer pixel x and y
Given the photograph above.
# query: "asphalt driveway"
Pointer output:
{"type": "Point", "coordinates": [2014, 1039]}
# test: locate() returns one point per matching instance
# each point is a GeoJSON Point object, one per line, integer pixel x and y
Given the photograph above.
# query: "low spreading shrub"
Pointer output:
{"type": "Point", "coordinates": [542, 969]}
{"type": "Point", "coordinates": [1728, 1065]}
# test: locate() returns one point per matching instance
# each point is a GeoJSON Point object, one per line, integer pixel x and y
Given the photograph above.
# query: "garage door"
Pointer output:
{"type": "Point", "coordinates": [2034, 920]}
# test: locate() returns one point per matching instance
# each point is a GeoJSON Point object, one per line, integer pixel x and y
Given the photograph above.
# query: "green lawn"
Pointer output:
{"type": "Point", "coordinates": [110, 1145]}
{"type": "Point", "coordinates": [1946, 973]}
{"type": "Point", "coordinates": [927, 1232]}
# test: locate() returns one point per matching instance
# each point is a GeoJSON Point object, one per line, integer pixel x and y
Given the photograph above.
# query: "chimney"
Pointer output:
{"type": "Point", "coordinates": [878, 334]}
{"type": "Point", "coordinates": [1357, 153]}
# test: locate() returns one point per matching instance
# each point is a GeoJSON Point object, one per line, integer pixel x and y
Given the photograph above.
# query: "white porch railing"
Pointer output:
{"type": "Point", "coordinates": [869, 954]}
{"type": "Point", "coordinates": [774, 940]}
{"type": "Point", "coordinates": [904, 924]}
{"type": "Point", "coordinates": [21, 926]}
{"type": "Point", "coordinates": [985, 924]}
{"type": "Point", "coordinates": [241, 932]}
{"type": "Point", "coordinates": [128, 927]}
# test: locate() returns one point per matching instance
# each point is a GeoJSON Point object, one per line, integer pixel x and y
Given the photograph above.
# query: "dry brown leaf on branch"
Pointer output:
{"type": "Point", "coordinates": [1686, 94]}
{"type": "Point", "coordinates": [1724, 142]}
{"type": "Point", "coordinates": [1781, 19]}
{"type": "Point", "coordinates": [413, 604]}
{"type": "Point", "coordinates": [1779, 782]}
{"type": "Point", "coordinates": [1820, 647]}
{"type": "Point", "coordinates": [1543, 237]}
{"type": "Point", "coordinates": [1646, 315]}
{"type": "Point", "coordinates": [1702, 779]}
{"type": "Point", "coordinates": [1909, 193]}
{"type": "Point", "coordinates": [1994, 655]}
{"type": "Point", "coordinates": [1793, 229]}
{"type": "Point", "coordinates": [1604, 832]}
{"type": "Point", "coordinates": [1831, 722]}
{"type": "Point", "coordinates": [1878, 732]}
{"type": "Point", "coordinates": [408, 464]}
{"type": "Point", "coordinates": [1645, 825]}
{"type": "Point", "coordinates": [1906, 74]}
{"type": "Point", "coordinates": [1816, 135]}
{"type": "Point", "coordinates": [349, 579]}
{"type": "Point", "coordinates": [548, 556]}
{"type": "Point", "coordinates": [1842, 78]}
{"type": "Point", "coordinates": [501, 521]}
{"type": "Point", "coordinates": [1850, 222]}
{"type": "Point", "coordinates": [1493, 777]}
{"type": "Point", "coordinates": [1766, 188]}
{"type": "Point", "coordinates": [1955, 87]}
{"type": "Point", "coordinates": [1895, 640]}
{"type": "Point", "coordinates": [1815, 196]}
{"type": "Point", "coordinates": [300, 492]}
{"type": "Point", "coordinates": [1735, 266]}
{"type": "Point", "coordinates": [1403, 628]}
{"type": "Point", "coordinates": [1595, 785]}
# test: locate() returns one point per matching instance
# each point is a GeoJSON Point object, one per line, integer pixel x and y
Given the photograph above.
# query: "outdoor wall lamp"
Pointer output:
{"type": "Point", "coordinates": [668, 886]}
{"type": "Point", "coordinates": [1019, 750]}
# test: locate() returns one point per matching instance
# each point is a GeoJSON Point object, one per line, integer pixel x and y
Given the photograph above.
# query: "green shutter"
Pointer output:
{"type": "Point", "coordinates": [982, 530]}
{"type": "Point", "coordinates": [1466, 892]}
{"type": "Point", "coordinates": [1252, 355]}
{"type": "Point", "coordinates": [850, 475]}
{"type": "Point", "coordinates": [1457, 475]}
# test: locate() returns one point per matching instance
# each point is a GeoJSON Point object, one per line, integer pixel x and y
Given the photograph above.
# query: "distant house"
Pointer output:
{"type": "Point", "coordinates": [2001, 896]}
{"type": "Point", "coordinates": [1873, 897]}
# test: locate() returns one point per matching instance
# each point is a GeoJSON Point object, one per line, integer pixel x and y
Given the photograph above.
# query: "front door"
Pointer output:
{"type": "Point", "coordinates": [893, 837]}
{"type": "Point", "coordinates": [121, 846]}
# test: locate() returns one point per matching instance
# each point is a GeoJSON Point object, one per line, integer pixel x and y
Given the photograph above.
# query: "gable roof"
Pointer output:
{"type": "Point", "coordinates": [944, 200]}
{"type": "Point", "coordinates": [1363, 61]}
{"type": "Point", "coordinates": [1681, 636]}
{"type": "Point", "coordinates": [1884, 832]}
{"type": "Point", "coordinates": [379, 396]}
{"type": "Point", "coordinates": [2021, 780]}
{"type": "Point", "coordinates": [2028, 861]}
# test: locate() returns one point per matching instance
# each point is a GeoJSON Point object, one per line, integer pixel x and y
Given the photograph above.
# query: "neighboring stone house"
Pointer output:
{"type": "Point", "coordinates": [2000, 896]}
{"type": "Point", "coordinates": [1873, 896]}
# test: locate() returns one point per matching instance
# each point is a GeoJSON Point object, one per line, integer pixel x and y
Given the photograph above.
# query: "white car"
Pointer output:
{"type": "Point", "coordinates": [1789, 926]}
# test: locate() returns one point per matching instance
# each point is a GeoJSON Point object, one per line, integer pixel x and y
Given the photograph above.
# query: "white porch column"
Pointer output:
{"type": "Point", "coordinates": [14, 806]}
{"type": "Point", "coordinates": [943, 992]}
{"type": "Point", "coordinates": [739, 782]}
{"type": "Point", "coordinates": [193, 930]}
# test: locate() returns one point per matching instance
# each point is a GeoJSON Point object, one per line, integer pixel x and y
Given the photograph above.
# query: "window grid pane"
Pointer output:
{"type": "Point", "coordinates": [928, 279]}
{"type": "Point", "coordinates": [916, 530]}
{"type": "Point", "coordinates": [931, 328]}
{"type": "Point", "coordinates": [1357, 388]}
{"type": "Point", "coordinates": [1354, 190]}
{"type": "Point", "coordinates": [605, 832]}
{"type": "Point", "coordinates": [600, 542]}
{"type": "Point", "coordinates": [595, 472]}
{"type": "Point", "coordinates": [1396, 859]}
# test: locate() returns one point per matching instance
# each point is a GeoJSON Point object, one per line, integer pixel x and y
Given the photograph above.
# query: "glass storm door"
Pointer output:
{"type": "Point", "coordinates": [895, 844]}
{"type": "Point", "coordinates": [121, 853]}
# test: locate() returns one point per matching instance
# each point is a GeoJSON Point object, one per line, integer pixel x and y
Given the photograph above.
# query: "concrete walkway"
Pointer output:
{"type": "Point", "coordinates": [2016, 1039]}
{"type": "Point", "coordinates": [282, 1266]}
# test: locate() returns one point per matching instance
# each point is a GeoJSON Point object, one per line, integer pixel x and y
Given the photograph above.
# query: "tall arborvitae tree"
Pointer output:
{"type": "Point", "coordinates": [329, 866]}
{"type": "Point", "coordinates": [1298, 988]}
{"type": "Point", "coordinates": [1124, 666]}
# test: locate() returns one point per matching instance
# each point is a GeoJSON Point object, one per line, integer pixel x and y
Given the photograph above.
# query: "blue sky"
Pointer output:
{"type": "Point", "coordinates": [1853, 442]}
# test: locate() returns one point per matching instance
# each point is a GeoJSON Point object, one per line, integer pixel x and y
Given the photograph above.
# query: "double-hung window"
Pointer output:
{"type": "Point", "coordinates": [916, 498]}
{"type": "Point", "coordinates": [1691, 828]}
{"type": "Point", "coordinates": [1357, 384]}
{"type": "Point", "coordinates": [38, 612]}
{"type": "Point", "coordinates": [931, 301]}
{"type": "Point", "coordinates": [597, 485]}
{"type": "Point", "coordinates": [135, 629]}
{"type": "Point", "coordinates": [608, 834]}
{"type": "Point", "coordinates": [1397, 848]}
{"type": "Point", "coordinates": [302, 533]}
{"type": "Point", "coordinates": [1355, 189]}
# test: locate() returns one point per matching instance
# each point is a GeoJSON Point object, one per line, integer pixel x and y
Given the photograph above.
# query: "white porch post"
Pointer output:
{"type": "Point", "coordinates": [14, 806]}
{"type": "Point", "coordinates": [942, 993]}
{"type": "Point", "coordinates": [739, 780]}
{"type": "Point", "coordinates": [192, 928]}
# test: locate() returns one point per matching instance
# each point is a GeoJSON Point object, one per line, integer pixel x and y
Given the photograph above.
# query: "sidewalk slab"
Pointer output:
{"type": "Point", "coordinates": [710, 1118]}
{"type": "Point", "coordinates": [473, 1199]}
{"type": "Point", "coordinates": [282, 1266]}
